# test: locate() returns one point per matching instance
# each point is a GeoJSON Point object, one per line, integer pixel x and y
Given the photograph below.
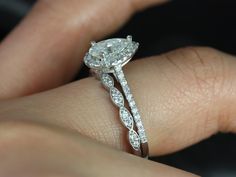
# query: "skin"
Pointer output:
{"type": "Point", "coordinates": [54, 129]}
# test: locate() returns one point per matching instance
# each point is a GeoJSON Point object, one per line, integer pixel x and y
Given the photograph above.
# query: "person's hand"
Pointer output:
{"type": "Point", "coordinates": [184, 96]}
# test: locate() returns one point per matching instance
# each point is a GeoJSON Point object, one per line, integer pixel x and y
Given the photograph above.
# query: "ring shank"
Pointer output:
{"type": "Point", "coordinates": [119, 75]}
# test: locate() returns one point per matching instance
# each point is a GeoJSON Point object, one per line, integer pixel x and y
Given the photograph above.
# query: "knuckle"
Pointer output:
{"type": "Point", "coordinates": [206, 74]}
{"type": "Point", "coordinates": [203, 67]}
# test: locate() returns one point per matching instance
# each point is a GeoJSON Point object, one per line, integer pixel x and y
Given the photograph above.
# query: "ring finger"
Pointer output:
{"type": "Point", "coordinates": [189, 90]}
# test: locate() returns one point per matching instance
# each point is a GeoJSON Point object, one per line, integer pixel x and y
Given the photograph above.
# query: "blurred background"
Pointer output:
{"type": "Point", "coordinates": [176, 24]}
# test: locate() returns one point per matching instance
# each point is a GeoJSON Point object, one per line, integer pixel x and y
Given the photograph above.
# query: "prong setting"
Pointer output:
{"type": "Point", "coordinates": [93, 43]}
{"type": "Point", "coordinates": [129, 38]}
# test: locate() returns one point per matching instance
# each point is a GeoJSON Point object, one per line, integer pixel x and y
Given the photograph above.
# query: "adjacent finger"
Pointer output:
{"type": "Point", "coordinates": [183, 97]}
{"type": "Point", "coordinates": [32, 150]}
{"type": "Point", "coordinates": [47, 48]}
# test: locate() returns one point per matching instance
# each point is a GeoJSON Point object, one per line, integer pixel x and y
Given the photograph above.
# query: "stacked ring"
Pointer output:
{"type": "Point", "coordinates": [108, 57]}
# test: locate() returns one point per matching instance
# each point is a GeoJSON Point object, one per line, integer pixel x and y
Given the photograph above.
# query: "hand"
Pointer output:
{"type": "Point", "coordinates": [48, 134]}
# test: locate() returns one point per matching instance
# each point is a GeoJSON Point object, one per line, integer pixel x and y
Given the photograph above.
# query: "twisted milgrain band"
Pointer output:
{"type": "Point", "coordinates": [125, 116]}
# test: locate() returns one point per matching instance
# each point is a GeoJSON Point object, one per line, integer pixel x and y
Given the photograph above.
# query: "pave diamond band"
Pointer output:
{"type": "Point", "coordinates": [119, 74]}
{"type": "Point", "coordinates": [137, 118]}
{"type": "Point", "coordinates": [108, 57]}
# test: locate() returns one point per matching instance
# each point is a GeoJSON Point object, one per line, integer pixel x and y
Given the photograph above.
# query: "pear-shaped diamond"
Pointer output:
{"type": "Point", "coordinates": [108, 53]}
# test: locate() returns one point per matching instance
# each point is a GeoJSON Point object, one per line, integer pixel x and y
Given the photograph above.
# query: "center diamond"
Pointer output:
{"type": "Point", "coordinates": [106, 54]}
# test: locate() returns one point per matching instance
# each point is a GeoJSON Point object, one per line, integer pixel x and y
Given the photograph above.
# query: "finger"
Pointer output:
{"type": "Point", "coordinates": [46, 49]}
{"type": "Point", "coordinates": [36, 150]}
{"type": "Point", "coordinates": [183, 97]}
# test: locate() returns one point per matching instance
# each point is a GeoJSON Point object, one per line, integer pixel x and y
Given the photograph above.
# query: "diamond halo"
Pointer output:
{"type": "Point", "coordinates": [106, 54]}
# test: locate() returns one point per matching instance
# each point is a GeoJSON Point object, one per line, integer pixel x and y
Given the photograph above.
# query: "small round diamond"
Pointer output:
{"type": "Point", "coordinates": [108, 53]}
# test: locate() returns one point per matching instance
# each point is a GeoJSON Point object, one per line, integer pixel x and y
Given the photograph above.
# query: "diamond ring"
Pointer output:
{"type": "Point", "coordinates": [108, 57]}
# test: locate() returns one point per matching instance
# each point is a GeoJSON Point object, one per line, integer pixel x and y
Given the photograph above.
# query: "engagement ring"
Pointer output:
{"type": "Point", "coordinates": [108, 57]}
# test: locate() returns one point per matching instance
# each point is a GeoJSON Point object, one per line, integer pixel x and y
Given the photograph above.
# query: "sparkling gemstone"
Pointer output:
{"type": "Point", "coordinates": [132, 104]}
{"type": "Point", "coordinates": [135, 110]}
{"type": "Point", "coordinates": [117, 97]}
{"type": "Point", "coordinates": [108, 53]}
{"type": "Point", "coordinates": [107, 80]}
{"type": "Point", "coordinates": [126, 89]}
{"type": "Point", "coordinates": [126, 117]}
{"type": "Point", "coordinates": [139, 125]}
{"type": "Point", "coordinates": [142, 135]}
{"type": "Point", "coordinates": [134, 139]}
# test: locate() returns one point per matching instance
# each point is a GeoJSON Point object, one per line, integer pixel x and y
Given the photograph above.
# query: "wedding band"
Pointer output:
{"type": "Point", "coordinates": [108, 57]}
